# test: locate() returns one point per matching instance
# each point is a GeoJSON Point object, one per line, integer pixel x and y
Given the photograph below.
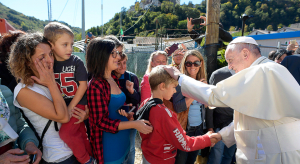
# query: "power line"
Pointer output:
{"type": "Point", "coordinates": [75, 13]}
{"type": "Point", "coordinates": [63, 10]}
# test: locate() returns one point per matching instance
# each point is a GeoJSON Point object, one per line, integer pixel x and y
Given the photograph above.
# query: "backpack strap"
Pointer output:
{"type": "Point", "coordinates": [128, 76]}
{"type": "Point", "coordinates": [44, 132]}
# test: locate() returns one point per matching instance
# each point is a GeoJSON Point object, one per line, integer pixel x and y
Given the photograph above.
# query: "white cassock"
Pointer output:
{"type": "Point", "coordinates": [266, 102]}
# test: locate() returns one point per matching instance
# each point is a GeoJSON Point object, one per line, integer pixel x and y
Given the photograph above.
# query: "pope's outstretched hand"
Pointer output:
{"type": "Point", "coordinates": [173, 71]}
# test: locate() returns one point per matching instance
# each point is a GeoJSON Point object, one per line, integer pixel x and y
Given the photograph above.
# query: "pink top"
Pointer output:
{"type": "Point", "coordinates": [145, 88]}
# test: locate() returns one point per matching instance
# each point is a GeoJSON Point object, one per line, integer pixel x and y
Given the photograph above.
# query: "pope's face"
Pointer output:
{"type": "Point", "coordinates": [235, 60]}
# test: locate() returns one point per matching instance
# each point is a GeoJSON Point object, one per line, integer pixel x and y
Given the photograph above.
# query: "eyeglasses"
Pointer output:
{"type": "Point", "coordinates": [114, 53]}
{"type": "Point", "coordinates": [189, 64]}
{"type": "Point", "coordinates": [120, 53]}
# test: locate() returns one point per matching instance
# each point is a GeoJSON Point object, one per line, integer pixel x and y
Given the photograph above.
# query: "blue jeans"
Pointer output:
{"type": "Point", "coordinates": [183, 157]}
{"type": "Point", "coordinates": [131, 156]}
{"type": "Point", "coordinates": [220, 153]}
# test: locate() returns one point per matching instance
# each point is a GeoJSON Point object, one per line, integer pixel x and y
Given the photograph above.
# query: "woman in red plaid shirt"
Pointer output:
{"type": "Point", "coordinates": [109, 134]}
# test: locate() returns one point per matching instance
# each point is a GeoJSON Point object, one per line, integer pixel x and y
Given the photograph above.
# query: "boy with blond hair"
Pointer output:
{"type": "Point", "coordinates": [71, 77]}
{"type": "Point", "coordinates": [161, 145]}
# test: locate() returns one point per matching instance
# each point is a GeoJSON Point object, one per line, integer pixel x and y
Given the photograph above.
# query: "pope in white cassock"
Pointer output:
{"type": "Point", "coordinates": [266, 102]}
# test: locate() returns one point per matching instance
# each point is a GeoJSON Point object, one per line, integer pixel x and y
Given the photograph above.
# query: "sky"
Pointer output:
{"type": "Point", "coordinates": [70, 10]}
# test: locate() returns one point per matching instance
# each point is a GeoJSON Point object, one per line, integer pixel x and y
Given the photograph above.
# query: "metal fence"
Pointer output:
{"type": "Point", "coordinates": [139, 52]}
{"type": "Point", "coordinates": [265, 50]}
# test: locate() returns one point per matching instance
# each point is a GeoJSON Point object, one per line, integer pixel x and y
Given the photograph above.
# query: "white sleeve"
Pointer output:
{"type": "Point", "coordinates": [180, 79]}
{"type": "Point", "coordinates": [227, 134]}
{"type": "Point", "coordinates": [195, 89]}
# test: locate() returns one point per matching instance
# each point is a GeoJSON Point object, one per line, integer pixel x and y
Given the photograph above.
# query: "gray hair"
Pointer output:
{"type": "Point", "coordinates": [240, 46]}
{"type": "Point", "coordinates": [149, 67]}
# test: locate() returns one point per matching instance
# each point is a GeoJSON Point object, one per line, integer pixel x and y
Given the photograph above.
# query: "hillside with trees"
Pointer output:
{"type": "Point", "coordinates": [268, 14]}
{"type": "Point", "coordinates": [26, 23]}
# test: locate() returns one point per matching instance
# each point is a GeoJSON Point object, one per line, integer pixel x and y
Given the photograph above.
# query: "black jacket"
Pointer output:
{"type": "Point", "coordinates": [292, 63]}
{"type": "Point", "coordinates": [223, 35]}
{"type": "Point", "coordinates": [219, 117]}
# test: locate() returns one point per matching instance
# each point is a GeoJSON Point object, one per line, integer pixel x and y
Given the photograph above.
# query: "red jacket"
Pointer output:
{"type": "Point", "coordinates": [145, 88]}
{"type": "Point", "coordinates": [167, 136]}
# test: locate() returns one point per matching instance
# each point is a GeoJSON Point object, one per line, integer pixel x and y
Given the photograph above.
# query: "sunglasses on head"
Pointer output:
{"type": "Point", "coordinates": [189, 64]}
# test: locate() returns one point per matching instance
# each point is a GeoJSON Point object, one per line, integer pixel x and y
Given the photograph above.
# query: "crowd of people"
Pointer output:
{"type": "Point", "coordinates": [55, 109]}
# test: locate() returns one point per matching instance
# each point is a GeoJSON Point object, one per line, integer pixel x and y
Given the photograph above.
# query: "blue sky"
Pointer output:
{"type": "Point", "coordinates": [72, 12]}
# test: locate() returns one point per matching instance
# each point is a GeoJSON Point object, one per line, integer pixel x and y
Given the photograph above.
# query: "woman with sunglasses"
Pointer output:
{"type": "Point", "coordinates": [190, 112]}
{"type": "Point", "coordinates": [109, 130]}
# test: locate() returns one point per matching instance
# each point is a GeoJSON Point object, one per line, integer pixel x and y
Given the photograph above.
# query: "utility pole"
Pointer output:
{"type": "Point", "coordinates": [121, 31]}
{"type": "Point", "coordinates": [102, 17]}
{"type": "Point", "coordinates": [49, 10]}
{"type": "Point", "coordinates": [83, 22]}
{"type": "Point", "coordinates": [156, 35]}
{"type": "Point", "coordinates": [212, 35]}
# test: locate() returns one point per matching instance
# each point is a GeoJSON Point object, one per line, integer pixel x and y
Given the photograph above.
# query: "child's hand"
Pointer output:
{"type": "Point", "coordinates": [129, 86]}
{"type": "Point", "coordinates": [128, 115]}
{"type": "Point", "coordinates": [80, 114]}
{"type": "Point", "coordinates": [70, 110]}
{"type": "Point", "coordinates": [143, 126]}
{"type": "Point", "coordinates": [214, 138]}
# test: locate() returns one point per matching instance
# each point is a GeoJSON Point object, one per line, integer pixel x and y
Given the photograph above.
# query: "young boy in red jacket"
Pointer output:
{"type": "Point", "coordinates": [161, 145]}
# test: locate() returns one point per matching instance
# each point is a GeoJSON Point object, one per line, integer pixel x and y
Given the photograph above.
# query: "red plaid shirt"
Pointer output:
{"type": "Point", "coordinates": [98, 96]}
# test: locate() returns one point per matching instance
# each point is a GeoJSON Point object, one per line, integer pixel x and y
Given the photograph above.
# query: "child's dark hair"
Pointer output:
{"type": "Point", "coordinates": [97, 55]}
{"type": "Point", "coordinates": [159, 75]}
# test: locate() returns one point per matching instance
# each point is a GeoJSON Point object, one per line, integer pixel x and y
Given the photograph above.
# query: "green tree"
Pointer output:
{"type": "Point", "coordinates": [167, 7]}
{"type": "Point", "coordinates": [232, 28]}
{"type": "Point", "coordinates": [280, 25]}
{"type": "Point", "coordinates": [270, 28]}
{"type": "Point", "coordinates": [137, 7]}
{"type": "Point", "coordinates": [264, 7]}
{"type": "Point", "coordinates": [24, 27]}
{"type": "Point", "coordinates": [258, 4]}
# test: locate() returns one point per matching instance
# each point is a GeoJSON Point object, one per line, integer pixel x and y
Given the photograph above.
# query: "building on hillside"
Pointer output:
{"type": "Point", "coordinates": [131, 9]}
{"type": "Point", "coordinates": [175, 1]}
{"type": "Point", "coordinates": [269, 42]}
{"type": "Point", "coordinates": [289, 29]}
{"type": "Point", "coordinates": [261, 32]}
{"type": "Point", "coordinates": [156, 3]}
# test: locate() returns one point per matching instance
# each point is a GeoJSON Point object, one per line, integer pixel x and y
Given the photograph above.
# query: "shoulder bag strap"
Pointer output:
{"type": "Point", "coordinates": [44, 132]}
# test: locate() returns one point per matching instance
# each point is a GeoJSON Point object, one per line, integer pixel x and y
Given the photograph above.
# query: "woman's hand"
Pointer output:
{"type": "Point", "coordinates": [14, 156]}
{"type": "Point", "coordinates": [204, 18]}
{"type": "Point", "coordinates": [167, 49]}
{"type": "Point", "coordinates": [80, 114]}
{"type": "Point", "coordinates": [32, 149]}
{"type": "Point", "coordinates": [143, 126]}
{"type": "Point", "coordinates": [129, 86]}
{"type": "Point", "coordinates": [128, 115]}
{"type": "Point", "coordinates": [46, 75]}
{"type": "Point", "coordinates": [189, 24]}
